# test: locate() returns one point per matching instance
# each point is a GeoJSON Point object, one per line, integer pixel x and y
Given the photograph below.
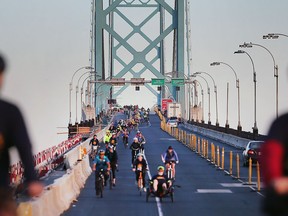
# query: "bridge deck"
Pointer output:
{"type": "Point", "coordinates": [203, 191]}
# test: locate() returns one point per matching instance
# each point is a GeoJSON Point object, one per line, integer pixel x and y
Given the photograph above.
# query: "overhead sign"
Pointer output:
{"type": "Point", "coordinates": [118, 81]}
{"type": "Point", "coordinates": [164, 103]}
{"type": "Point", "coordinates": [177, 81]}
{"type": "Point", "coordinates": [112, 101]}
{"type": "Point", "coordinates": [137, 81]}
{"type": "Point", "coordinates": [156, 81]}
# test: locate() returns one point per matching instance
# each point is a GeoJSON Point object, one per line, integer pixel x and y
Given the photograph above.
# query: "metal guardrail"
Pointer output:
{"type": "Point", "coordinates": [231, 131]}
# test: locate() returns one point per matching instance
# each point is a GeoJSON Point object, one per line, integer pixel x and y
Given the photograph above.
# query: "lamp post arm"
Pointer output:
{"type": "Point", "coordinates": [237, 80]}
{"type": "Point", "coordinates": [266, 50]}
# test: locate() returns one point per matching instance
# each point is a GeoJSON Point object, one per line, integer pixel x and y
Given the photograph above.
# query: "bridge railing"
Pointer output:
{"type": "Point", "coordinates": [214, 154]}
{"type": "Point", "coordinates": [58, 196]}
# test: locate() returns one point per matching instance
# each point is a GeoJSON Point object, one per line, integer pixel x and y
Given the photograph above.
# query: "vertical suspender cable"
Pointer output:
{"type": "Point", "coordinates": [110, 50]}
{"type": "Point", "coordinates": [189, 51]}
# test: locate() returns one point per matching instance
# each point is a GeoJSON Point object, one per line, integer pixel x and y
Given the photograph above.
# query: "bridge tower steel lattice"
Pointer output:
{"type": "Point", "coordinates": [125, 47]}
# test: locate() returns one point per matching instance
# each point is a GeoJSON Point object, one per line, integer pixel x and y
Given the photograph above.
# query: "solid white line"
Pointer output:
{"type": "Point", "coordinates": [160, 212]}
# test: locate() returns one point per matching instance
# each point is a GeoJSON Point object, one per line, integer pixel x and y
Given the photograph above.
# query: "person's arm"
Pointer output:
{"type": "Point", "coordinates": [176, 156]}
{"type": "Point", "coordinates": [145, 165]}
{"type": "Point", "coordinates": [163, 156]}
{"type": "Point", "coordinates": [22, 142]}
{"type": "Point", "coordinates": [272, 154]}
{"type": "Point", "coordinates": [108, 164]}
{"type": "Point", "coordinates": [94, 167]}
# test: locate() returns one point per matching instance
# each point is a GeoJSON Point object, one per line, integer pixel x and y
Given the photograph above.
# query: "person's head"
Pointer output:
{"type": "Point", "coordinates": [114, 135]}
{"type": "Point", "coordinates": [160, 170]}
{"type": "Point", "coordinates": [101, 153]}
{"type": "Point", "coordinates": [170, 149]}
{"type": "Point", "coordinates": [2, 69]}
{"type": "Point", "coordinates": [135, 139]}
{"type": "Point", "coordinates": [95, 136]}
{"type": "Point", "coordinates": [108, 132]}
{"type": "Point", "coordinates": [140, 156]}
{"type": "Point", "coordinates": [138, 132]}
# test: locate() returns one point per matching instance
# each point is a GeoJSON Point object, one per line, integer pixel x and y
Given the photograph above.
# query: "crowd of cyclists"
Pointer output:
{"type": "Point", "coordinates": [105, 161]}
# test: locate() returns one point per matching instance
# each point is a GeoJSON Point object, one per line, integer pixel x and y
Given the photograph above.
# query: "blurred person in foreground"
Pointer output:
{"type": "Point", "coordinates": [274, 165]}
{"type": "Point", "coordinates": [13, 133]}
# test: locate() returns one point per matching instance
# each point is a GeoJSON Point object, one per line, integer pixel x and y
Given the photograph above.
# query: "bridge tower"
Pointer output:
{"type": "Point", "coordinates": [132, 39]}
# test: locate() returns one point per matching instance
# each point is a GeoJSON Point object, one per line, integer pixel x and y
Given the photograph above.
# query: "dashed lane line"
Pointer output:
{"type": "Point", "coordinates": [214, 191]}
{"type": "Point", "coordinates": [159, 207]}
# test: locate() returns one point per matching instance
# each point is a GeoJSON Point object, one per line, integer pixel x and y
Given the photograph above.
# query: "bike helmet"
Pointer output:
{"type": "Point", "coordinates": [135, 139]}
{"type": "Point", "coordinates": [140, 154]}
{"type": "Point", "coordinates": [101, 152]}
{"type": "Point", "coordinates": [160, 167]}
{"type": "Point", "coordinates": [138, 131]}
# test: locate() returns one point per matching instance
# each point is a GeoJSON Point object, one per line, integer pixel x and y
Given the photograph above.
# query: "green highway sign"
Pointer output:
{"type": "Point", "coordinates": [158, 82]}
{"type": "Point", "coordinates": [177, 81]}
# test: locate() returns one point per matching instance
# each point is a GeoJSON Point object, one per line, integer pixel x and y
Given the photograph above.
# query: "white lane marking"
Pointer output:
{"type": "Point", "coordinates": [160, 212]}
{"type": "Point", "coordinates": [172, 139]}
{"type": "Point", "coordinates": [214, 191]}
{"type": "Point", "coordinates": [233, 185]}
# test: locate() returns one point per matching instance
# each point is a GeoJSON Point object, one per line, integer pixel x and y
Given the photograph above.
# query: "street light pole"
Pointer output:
{"type": "Point", "coordinates": [238, 90]}
{"type": "Point", "coordinates": [215, 90]}
{"type": "Point", "coordinates": [70, 88]}
{"type": "Point", "coordinates": [249, 45]}
{"type": "Point", "coordinates": [208, 92]}
{"type": "Point", "coordinates": [77, 90]}
{"type": "Point", "coordinates": [255, 129]}
{"type": "Point", "coordinates": [90, 76]}
{"type": "Point", "coordinates": [202, 93]}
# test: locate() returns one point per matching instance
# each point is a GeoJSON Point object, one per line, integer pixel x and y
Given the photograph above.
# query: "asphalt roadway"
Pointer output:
{"type": "Point", "coordinates": [202, 190]}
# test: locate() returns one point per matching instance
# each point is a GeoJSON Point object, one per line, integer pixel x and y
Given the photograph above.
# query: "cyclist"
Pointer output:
{"type": "Point", "coordinates": [107, 137]}
{"type": "Point", "coordinates": [125, 134]}
{"type": "Point", "coordinates": [112, 155]}
{"type": "Point", "coordinates": [141, 139]}
{"type": "Point", "coordinates": [140, 165]}
{"type": "Point", "coordinates": [112, 127]}
{"type": "Point", "coordinates": [94, 145]}
{"type": "Point", "coordinates": [135, 148]}
{"type": "Point", "coordinates": [170, 157]}
{"type": "Point", "coordinates": [113, 141]}
{"type": "Point", "coordinates": [101, 162]}
{"type": "Point", "coordinates": [160, 181]}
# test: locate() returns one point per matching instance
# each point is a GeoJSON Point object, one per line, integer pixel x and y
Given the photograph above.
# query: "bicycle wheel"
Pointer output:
{"type": "Point", "coordinates": [147, 194]}
{"type": "Point", "coordinates": [140, 186]}
{"type": "Point", "coordinates": [110, 180]}
{"type": "Point", "coordinates": [172, 196]}
{"type": "Point", "coordinates": [101, 186]}
{"type": "Point", "coordinates": [169, 173]}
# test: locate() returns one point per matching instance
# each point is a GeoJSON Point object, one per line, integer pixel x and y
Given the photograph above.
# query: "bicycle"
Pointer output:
{"type": "Point", "coordinates": [170, 171]}
{"type": "Point", "coordinates": [110, 179]}
{"type": "Point", "coordinates": [94, 152]}
{"type": "Point", "coordinates": [100, 180]}
{"type": "Point", "coordinates": [125, 140]}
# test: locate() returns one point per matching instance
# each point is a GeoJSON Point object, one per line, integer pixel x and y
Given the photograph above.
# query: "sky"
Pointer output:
{"type": "Point", "coordinates": [45, 42]}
